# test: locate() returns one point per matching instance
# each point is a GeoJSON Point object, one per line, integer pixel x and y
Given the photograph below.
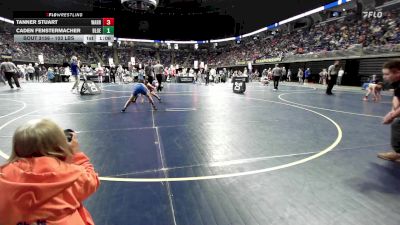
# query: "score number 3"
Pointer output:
{"type": "Point", "coordinates": [108, 21]}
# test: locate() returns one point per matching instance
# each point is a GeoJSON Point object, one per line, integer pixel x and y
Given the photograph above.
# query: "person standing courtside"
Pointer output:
{"type": "Point", "coordinates": [322, 76]}
{"type": "Point", "coordinates": [158, 71]}
{"type": "Point", "coordinates": [276, 73]}
{"type": "Point", "coordinates": [148, 71]}
{"type": "Point", "coordinates": [10, 71]}
{"type": "Point", "coordinates": [300, 75]}
{"type": "Point", "coordinates": [37, 72]}
{"type": "Point", "coordinates": [332, 76]}
{"type": "Point", "coordinates": [30, 71]}
{"type": "Point", "coordinates": [113, 72]}
{"type": "Point", "coordinates": [75, 73]}
{"type": "Point", "coordinates": [207, 77]}
{"type": "Point", "coordinates": [307, 75]}
{"type": "Point", "coordinates": [340, 76]}
{"type": "Point", "coordinates": [391, 73]}
{"type": "Point", "coordinates": [283, 73]}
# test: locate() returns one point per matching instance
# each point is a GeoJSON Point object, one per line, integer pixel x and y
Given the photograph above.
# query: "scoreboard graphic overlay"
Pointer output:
{"type": "Point", "coordinates": [62, 27]}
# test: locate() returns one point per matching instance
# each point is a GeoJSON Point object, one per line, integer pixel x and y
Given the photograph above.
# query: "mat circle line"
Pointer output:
{"type": "Point", "coordinates": [326, 109]}
{"type": "Point", "coordinates": [209, 177]}
{"type": "Point", "coordinates": [16, 111]}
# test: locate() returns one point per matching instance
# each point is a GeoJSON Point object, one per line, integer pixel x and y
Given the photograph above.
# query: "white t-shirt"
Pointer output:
{"type": "Point", "coordinates": [213, 72]}
{"type": "Point", "coordinates": [340, 73]}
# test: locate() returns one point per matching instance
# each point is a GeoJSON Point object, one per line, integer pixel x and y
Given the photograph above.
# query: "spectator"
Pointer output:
{"type": "Point", "coordinates": [46, 179]}
{"type": "Point", "coordinates": [37, 72]}
{"type": "Point", "coordinates": [50, 74]}
{"type": "Point", "coordinates": [158, 71]}
{"type": "Point", "coordinates": [300, 76]}
{"type": "Point", "coordinates": [322, 76]}
{"type": "Point", "coordinates": [120, 72]}
{"type": "Point", "coordinates": [113, 72]}
{"type": "Point", "coordinates": [9, 70]}
{"type": "Point", "coordinates": [30, 71]}
{"type": "Point", "coordinates": [284, 73]}
{"type": "Point", "coordinates": [340, 76]}
{"type": "Point", "coordinates": [307, 75]}
{"type": "Point", "coordinates": [391, 73]}
{"type": "Point", "coordinates": [350, 34]}
{"type": "Point", "coordinates": [148, 70]}
{"type": "Point", "coordinates": [141, 75]}
{"type": "Point", "coordinates": [100, 73]}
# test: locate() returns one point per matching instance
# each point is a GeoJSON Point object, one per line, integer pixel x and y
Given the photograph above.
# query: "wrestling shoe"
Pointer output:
{"type": "Point", "coordinates": [390, 156]}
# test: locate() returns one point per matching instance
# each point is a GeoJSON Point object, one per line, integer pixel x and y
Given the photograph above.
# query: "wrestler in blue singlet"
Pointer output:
{"type": "Point", "coordinates": [139, 88]}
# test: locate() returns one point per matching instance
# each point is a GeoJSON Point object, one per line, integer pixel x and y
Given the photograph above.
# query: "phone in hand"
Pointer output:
{"type": "Point", "coordinates": [68, 134]}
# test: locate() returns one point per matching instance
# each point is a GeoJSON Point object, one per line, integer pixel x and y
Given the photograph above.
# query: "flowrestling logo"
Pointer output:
{"type": "Point", "coordinates": [63, 14]}
{"type": "Point", "coordinates": [372, 14]}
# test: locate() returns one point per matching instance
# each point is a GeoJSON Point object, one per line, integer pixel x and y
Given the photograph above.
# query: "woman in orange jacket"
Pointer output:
{"type": "Point", "coordinates": [46, 178]}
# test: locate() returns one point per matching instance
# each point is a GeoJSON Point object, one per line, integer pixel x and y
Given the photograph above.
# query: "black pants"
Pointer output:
{"type": "Point", "coordinates": [331, 83]}
{"type": "Point", "coordinates": [37, 77]}
{"type": "Point", "coordinates": [159, 79]}
{"type": "Point", "coordinates": [150, 79]}
{"type": "Point", "coordinates": [10, 75]}
{"type": "Point", "coordinates": [395, 135]}
{"type": "Point", "coordinates": [112, 78]}
{"type": "Point", "coordinates": [207, 80]}
{"type": "Point", "coordinates": [276, 81]}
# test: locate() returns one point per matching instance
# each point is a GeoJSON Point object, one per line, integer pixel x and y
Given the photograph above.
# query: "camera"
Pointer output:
{"type": "Point", "coordinates": [68, 134]}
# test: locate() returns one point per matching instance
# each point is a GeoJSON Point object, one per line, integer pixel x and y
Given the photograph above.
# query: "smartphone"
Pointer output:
{"type": "Point", "coordinates": [68, 134]}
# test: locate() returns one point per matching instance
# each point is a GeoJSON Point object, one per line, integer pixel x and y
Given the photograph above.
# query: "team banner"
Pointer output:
{"type": "Point", "coordinates": [41, 59]}
{"type": "Point", "coordinates": [269, 60]}
{"type": "Point", "coordinates": [241, 63]}
{"type": "Point", "coordinates": [111, 61]}
{"type": "Point", "coordinates": [6, 56]}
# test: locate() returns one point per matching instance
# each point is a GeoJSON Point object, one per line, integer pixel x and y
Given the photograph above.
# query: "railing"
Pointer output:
{"type": "Point", "coordinates": [354, 52]}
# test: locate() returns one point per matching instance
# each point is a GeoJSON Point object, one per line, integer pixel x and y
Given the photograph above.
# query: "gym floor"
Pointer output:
{"type": "Point", "coordinates": [209, 156]}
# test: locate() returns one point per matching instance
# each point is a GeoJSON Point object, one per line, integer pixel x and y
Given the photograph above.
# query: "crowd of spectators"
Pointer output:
{"type": "Point", "coordinates": [142, 55]}
{"type": "Point", "coordinates": [346, 34]}
{"type": "Point", "coordinates": [53, 52]}
{"type": "Point", "coordinates": [342, 34]}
